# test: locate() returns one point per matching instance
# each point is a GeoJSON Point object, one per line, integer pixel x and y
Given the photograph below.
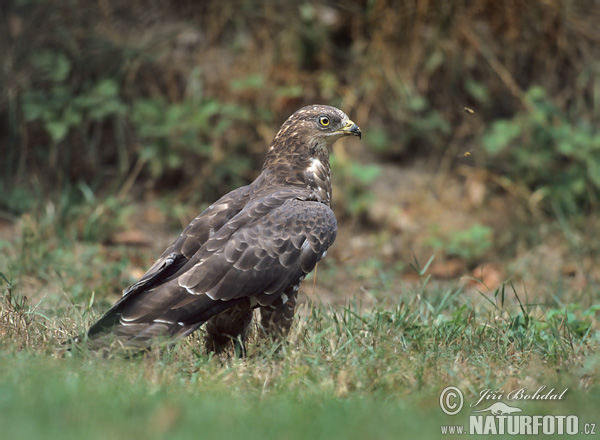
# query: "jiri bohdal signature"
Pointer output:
{"type": "Point", "coordinates": [520, 394]}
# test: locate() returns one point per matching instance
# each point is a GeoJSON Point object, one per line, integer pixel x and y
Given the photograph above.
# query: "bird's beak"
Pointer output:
{"type": "Point", "coordinates": [351, 128]}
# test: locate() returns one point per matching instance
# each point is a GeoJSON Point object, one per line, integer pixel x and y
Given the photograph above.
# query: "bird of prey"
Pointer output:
{"type": "Point", "coordinates": [251, 248]}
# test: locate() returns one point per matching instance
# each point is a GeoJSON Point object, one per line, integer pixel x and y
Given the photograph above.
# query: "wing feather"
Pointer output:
{"type": "Point", "coordinates": [270, 257]}
{"type": "Point", "coordinates": [179, 253]}
{"type": "Point", "coordinates": [269, 245]}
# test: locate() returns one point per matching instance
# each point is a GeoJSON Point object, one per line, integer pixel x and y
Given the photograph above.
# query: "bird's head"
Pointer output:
{"type": "Point", "coordinates": [321, 123]}
{"type": "Point", "coordinates": [312, 130]}
{"type": "Point", "coordinates": [299, 153]}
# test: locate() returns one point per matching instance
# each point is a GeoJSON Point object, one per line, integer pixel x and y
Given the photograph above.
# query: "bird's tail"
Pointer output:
{"type": "Point", "coordinates": [116, 332]}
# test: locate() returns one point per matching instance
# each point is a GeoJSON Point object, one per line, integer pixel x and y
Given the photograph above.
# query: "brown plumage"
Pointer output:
{"type": "Point", "coordinates": [251, 248]}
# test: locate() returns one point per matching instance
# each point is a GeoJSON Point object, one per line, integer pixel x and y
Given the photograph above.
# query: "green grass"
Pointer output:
{"type": "Point", "coordinates": [344, 374]}
{"type": "Point", "coordinates": [45, 398]}
{"type": "Point", "coordinates": [348, 371]}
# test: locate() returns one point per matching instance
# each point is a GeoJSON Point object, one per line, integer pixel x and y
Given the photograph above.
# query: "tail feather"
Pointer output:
{"type": "Point", "coordinates": [164, 325]}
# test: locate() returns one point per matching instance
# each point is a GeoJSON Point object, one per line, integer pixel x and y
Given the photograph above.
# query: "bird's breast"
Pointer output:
{"type": "Point", "coordinates": [317, 176]}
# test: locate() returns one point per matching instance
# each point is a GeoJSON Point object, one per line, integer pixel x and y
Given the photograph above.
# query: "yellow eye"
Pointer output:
{"type": "Point", "coordinates": [324, 121]}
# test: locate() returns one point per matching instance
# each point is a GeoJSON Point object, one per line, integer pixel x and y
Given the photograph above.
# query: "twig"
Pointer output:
{"type": "Point", "coordinates": [498, 67]}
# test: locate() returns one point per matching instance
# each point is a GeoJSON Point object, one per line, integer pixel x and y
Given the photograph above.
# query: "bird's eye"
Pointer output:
{"type": "Point", "coordinates": [324, 121]}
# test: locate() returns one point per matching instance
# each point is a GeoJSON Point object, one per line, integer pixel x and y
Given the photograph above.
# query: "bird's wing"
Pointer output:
{"type": "Point", "coordinates": [265, 254]}
{"type": "Point", "coordinates": [173, 261]}
{"type": "Point", "coordinates": [265, 248]}
{"type": "Point", "coordinates": [193, 237]}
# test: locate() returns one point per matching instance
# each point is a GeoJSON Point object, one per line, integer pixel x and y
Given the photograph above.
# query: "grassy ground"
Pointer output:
{"type": "Point", "coordinates": [357, 370]}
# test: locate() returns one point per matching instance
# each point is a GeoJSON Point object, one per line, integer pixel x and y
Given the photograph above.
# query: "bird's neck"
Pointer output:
{"type": "Point", "coordinates": [309, 169]}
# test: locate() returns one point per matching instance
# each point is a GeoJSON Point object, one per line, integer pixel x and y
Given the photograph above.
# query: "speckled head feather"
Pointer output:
{"type": "Point", "coordinates": [312, 130]}
{"type": "Point", "coordinates": [251, 248]}
{"type": "Point", "coordinates": [299, 153]}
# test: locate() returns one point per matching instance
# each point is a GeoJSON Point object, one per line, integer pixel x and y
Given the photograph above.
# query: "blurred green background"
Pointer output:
{"type": "Point", "coordinates": [186, 95]}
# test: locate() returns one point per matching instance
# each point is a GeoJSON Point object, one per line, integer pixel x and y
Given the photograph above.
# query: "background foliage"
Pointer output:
{"type": "Point", "coordinates": [186, 94]}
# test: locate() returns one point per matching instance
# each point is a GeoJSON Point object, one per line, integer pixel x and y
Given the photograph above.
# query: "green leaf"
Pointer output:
{"type": "Point", "coordinates": [477, 91]}
{"type": "Point", "coordinates": [57, 129]}
{"type": "Point", "coordinates": [364, 173]}
{"type": "Point", "coordinates": [254, 81]}
{"type": "Point", "coordinates": [289, 91]}
{"type": "Point", "coordinates": [378, 139]}
{"type": "Point", "coordinates": [417, 103]}
{"type": "Point", "coordinates": [54, 66]}
{"type": "Point", "coordinates": [503, 132]}
{"type": "Point", "coordinates": [33, 104]}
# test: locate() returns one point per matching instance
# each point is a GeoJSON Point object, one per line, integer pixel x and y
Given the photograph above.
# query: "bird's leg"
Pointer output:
{"type": "Point", "coordinates": [276, 319]}
{"type": "Point", "coordinates": [229, 328]}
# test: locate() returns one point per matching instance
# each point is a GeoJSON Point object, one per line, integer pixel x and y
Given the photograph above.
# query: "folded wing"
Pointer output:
{"type": "Point", "coordinates": [255, 254]}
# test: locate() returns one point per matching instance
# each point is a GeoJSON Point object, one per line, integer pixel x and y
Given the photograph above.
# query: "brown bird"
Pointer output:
{"type": "Point", "coordinates": [251, 248]}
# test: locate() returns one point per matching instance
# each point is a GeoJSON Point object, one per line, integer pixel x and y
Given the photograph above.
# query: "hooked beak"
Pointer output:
{"type": "Point", "coordinates": [351, 128]}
